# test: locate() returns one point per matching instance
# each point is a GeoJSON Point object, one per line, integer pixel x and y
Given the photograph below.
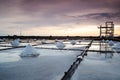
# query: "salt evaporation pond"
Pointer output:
{"type": "Point", "coordinates": [51, 64]}
{"type": "Point", "coordinates": [21, 44]}
{"type": "Point", "coordinates": [96, 66]}
{"type": "Point", "coordinates": [67, 45]}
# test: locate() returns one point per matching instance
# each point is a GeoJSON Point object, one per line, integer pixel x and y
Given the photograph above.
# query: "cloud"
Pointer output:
{"type": "Point", "coordinates": [49, 13]}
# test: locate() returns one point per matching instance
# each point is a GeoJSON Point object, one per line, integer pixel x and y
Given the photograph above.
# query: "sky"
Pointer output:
{"type": "Point", "coordinates": [57, 17]}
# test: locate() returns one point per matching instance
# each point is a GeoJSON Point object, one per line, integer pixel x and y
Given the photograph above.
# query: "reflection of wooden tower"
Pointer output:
{"type": "Point", "coordinates": [107, 31]}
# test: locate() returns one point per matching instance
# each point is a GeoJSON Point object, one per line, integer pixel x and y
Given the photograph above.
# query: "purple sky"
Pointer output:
{"type": "Point", "coordinates": [57, 17]}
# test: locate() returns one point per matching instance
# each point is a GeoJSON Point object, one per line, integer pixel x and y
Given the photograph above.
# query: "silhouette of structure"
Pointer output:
{"type": "Point", "coordinates": [107, 31]}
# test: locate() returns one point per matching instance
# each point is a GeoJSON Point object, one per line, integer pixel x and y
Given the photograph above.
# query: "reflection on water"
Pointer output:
{"type": "Point", "coordinates": [108, 51]}
{"type": "Point", "coordinates": [6, 57]}
{"type": "Point", "coordinates": [48, 65]}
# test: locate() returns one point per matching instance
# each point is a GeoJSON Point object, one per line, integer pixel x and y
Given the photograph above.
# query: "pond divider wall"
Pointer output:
{"type": "Point", "coordinates": [73, 67]}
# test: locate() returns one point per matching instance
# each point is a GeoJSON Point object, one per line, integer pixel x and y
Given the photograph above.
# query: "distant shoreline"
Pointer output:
{"type": "Point", "coordinates": [117, 38]}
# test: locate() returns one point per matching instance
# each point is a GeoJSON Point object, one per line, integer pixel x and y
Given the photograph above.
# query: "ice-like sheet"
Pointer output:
{"type": "Point", "coordinates": [49, 65]}
{"type": "Point", "coordinates": [4, 47]}
{"type": "Point", "coordinates": [67, 46]}
{"type": "Point", "coordinates": [21, 44]}
{"type": "Point", "coordinates": [98, 66]}
{"type": "Point", "coordinates": [102, 47]}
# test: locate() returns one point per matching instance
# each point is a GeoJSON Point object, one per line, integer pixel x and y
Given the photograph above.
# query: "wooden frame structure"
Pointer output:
{"type": "Point", "coordinates": [107, 31]}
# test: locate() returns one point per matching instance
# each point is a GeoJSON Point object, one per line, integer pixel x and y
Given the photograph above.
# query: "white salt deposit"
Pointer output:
{"type": "Point", "coordinates": [43, 41]}
{"type": "Point", "coordinates": [56, 40]}
{"type": "Point", "coordinates": [15, 43]}
{"type": "Point", "coordinates": [103, 40]}
{"type": "Point", "coordinates": [35, 39]}
{"type": "Point", "coordinates": [67, 39]}
{"type": "Point", "coordinates": [79, 57]}
{"type": "Point", "coordinates": [107, 41]}
{"type": "Point", "coordinates": [18, 39]}
{"type": "Point", "coordinates": [29, 51]}
{"type": "Point", "coordinates": [60, 45]}
{"type": "Point", "coordinates": [3, 40]}
{"type": "Point", "coordinates": [117, 46]}
{"type": "Point", "coordinates": [111, 43]}
{"type": "Point", "coordinates": [73, 42]}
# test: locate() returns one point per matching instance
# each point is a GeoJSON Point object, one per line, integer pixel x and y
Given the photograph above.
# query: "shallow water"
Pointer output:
{"type": "Point", "coordinates": [99, 66]}
{"type": "Point", "coordinates": [51, 64]}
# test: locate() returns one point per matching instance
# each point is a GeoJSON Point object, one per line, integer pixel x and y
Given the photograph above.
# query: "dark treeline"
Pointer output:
{"type": "Point", "coordinates": [50, 37]}
{"type": "Point", "coordinates": [58, 37]}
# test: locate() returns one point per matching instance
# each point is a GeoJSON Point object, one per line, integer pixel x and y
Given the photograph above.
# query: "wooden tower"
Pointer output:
{"type": "Point", "coordinates": [107, 31]}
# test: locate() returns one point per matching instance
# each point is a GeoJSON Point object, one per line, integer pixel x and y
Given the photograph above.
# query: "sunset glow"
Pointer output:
{"type": "Point", "coordinates": [57, 17]}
